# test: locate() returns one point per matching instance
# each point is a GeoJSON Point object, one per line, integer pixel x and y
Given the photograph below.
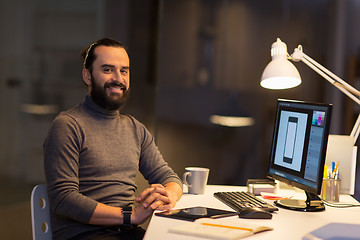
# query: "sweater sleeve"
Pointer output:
{"type": "Point", "coordinates": [152, 164]}
{"type": "Point", "coordinates": [61, 162]}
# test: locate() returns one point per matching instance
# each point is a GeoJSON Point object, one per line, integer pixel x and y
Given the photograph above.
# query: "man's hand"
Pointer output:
{"type": "Point", "coordinates": [159, 197]}
{"type": "Point", "coordinates": [140, 214]}
{"type": "Point", "coordinates": [155, 197]}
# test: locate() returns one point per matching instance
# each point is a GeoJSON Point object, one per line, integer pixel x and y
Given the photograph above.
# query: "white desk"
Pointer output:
{"type": "Point", "coordinates": [287, 224]}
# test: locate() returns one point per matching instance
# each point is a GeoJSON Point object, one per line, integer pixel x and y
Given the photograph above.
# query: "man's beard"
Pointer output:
{"type": "Point", "coordinates": [98, 94]}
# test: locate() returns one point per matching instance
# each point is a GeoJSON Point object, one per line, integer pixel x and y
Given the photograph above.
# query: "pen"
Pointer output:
{"type": "Point", "coordinates": [225, 226]}
{"type": "Point", "coordinates": [335, 170]}
{"type": "Point", "coordinates": [325, 172]}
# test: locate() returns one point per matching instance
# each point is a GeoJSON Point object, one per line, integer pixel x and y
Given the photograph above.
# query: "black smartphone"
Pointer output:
{"type": "Point", "coordinates": [193, 213]}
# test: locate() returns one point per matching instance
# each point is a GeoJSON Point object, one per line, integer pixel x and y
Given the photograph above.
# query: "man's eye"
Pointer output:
{"type": "Point", "coordinates": [124, 71]}
{"type": "Point", "coordinates": [107, 70]}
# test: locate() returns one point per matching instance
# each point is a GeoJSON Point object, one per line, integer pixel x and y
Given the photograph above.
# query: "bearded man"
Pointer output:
{"type": "Point", "coordinates": [93, 152]}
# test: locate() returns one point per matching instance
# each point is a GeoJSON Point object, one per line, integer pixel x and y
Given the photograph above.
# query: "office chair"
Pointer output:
{"type": "Point", "coordinates": [40, 213]}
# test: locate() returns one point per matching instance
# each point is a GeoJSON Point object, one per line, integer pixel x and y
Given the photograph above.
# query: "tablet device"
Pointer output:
{"type": "Point", "coordinates": [193, 213]}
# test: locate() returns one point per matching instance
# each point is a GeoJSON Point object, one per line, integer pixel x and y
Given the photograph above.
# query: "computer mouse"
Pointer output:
{"type": "Point", "coordinates": [254, 213]}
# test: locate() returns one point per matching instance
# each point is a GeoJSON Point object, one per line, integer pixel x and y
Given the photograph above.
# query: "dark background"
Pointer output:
{"type": "Point", "coordinates": [189, 59]}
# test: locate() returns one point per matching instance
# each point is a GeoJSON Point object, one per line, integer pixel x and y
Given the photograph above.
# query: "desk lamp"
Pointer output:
{"type": "Point", "coordinates": [280, 73]}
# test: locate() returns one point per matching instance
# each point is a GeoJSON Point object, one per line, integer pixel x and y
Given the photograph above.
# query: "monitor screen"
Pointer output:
{"type": "Point", "coordinates": [299, 145]}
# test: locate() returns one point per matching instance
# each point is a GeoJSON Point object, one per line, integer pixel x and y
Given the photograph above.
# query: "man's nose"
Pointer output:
{"type": "Point", "coordinates": [118, 77]}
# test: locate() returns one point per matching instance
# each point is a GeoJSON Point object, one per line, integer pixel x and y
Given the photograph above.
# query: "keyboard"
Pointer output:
{"type": "Point", "coordinates": [240, 200]}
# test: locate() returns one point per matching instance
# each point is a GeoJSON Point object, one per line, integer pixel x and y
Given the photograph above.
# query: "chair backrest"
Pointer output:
{"type": "Point", "coordinates": [40, 213]}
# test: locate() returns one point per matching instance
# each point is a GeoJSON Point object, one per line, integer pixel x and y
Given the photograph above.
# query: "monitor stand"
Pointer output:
{"type": "Point", "coordinates": [312, 203]}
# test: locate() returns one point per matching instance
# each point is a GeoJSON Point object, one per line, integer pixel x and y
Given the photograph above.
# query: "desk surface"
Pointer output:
{"type": "Point", "coordinates": [287, 224]}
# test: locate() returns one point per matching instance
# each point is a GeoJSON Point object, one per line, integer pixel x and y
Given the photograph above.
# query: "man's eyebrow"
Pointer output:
{"type": "Point", "coordinates": [108, 65]}
{"type": "Point", "coordinates": [113, 66]}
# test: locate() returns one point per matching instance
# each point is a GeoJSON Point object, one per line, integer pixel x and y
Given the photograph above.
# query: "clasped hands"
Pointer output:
{"type": "Point", "coordinates": [156, 197]}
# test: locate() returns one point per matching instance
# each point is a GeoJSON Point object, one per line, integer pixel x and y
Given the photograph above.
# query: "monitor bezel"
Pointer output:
{"type": "Point", "coordinates": [306, 188]}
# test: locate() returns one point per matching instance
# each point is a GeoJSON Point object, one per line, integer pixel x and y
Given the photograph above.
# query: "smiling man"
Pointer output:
{"type": "Point", "coordinates": [92, 154]}
{"type": "Point", "coordinates": [112, 72]}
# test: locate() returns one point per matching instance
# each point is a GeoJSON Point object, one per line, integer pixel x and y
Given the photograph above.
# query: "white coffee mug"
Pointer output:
{"type": "Point", "coordinates": [195, 178]}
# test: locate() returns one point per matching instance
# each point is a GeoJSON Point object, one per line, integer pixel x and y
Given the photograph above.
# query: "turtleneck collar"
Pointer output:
{"type": "Point", "coordinates": [89, 102]}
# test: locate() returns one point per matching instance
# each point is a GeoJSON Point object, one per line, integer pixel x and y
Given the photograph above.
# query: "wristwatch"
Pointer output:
{"type": "Point", "coordinates": [126, 211]}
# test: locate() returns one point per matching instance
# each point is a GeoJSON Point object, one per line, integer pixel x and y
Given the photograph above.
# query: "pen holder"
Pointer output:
{"type": "Point", "coordinates": [330, 190]}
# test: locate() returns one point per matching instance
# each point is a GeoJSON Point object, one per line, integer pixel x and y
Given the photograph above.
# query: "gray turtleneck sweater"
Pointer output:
{"type": "Point", "coordinates": [92, 155]}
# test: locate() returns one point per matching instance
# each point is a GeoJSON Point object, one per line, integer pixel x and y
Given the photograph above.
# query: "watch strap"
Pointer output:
{"type": "Point", "coordinates": [126, 211]}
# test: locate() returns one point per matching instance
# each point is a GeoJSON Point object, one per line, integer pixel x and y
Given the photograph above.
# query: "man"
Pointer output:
{"type": "Point", "coordinates": [92, 154]}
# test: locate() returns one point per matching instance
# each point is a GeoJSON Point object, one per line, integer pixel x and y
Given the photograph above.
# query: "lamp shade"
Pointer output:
{"type": "Point", "coordinates": [280, 73]}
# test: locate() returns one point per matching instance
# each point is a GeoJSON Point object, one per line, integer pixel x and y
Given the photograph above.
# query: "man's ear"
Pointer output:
{"type": "Point", "coordinates": [86, 77]}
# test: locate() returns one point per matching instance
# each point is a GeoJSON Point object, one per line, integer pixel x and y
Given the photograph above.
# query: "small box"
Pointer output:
{"type": "Point", "coordinates": [256, 186]}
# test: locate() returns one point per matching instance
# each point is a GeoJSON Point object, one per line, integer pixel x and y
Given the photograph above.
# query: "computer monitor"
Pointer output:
{"type": "Point", "coordinates": [298, 150]}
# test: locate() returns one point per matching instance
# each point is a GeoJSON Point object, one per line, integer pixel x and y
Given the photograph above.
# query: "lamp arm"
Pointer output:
{"type": "Point", "coordinates": [338, 80]}
{"type": "Point", "coordinates": [356, 130]}
{"type": "Point", "coordinates": [336, 84]}
{"type": "Point", "coordinates": [340, 84]}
